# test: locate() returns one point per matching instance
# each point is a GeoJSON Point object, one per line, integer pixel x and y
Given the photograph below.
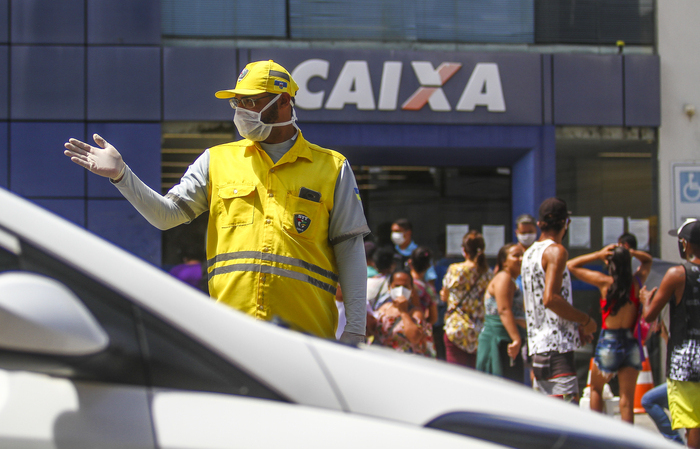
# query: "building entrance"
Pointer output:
{"type": "Point", "coordinates": [434, 197]}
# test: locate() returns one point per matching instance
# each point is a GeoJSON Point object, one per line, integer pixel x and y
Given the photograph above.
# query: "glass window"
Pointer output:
{"type": "Point", "coordinates": [475, 21]}
{"type": "Point", "coordinates": [421, 20]}
{"type": "Point", "coordinates": [120, 363]}
{"type": "Point", "coordinates": [224, 18]}
{"type": "Point", "coordinates": [143, 350]}
{"type": "Point", "coordinates": [594, 21]}
{"type": "Point", "coordinates": [433, 197]}
{"type": "Point", "coordinates": [608, 173]}
{"type": "Point", "coordinates": [176, 361]}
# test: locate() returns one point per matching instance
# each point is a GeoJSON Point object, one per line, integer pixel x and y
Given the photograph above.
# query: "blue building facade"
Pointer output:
{"type": "Point", "coordinates": [78, 67]}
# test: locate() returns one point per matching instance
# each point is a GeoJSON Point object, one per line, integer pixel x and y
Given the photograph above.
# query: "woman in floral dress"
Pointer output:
{"type": "Point", "coordinates": [400, 323]}
{"type": "Point", "coordinates": [463, 291]}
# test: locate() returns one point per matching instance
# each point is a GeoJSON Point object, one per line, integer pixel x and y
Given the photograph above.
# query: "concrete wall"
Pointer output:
{"type": "Point", "coordinates": [679, 135]}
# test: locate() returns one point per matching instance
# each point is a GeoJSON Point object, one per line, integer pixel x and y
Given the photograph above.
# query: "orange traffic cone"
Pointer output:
{"type": "Point", "coordinates": [590, 370]}
{"type": "Point", "coordinates": [645, 382]}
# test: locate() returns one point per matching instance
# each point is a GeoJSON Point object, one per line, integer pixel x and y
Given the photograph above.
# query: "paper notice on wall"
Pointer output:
{"type": "Point", "coordinates": [613, 228]}
{"type": "Point", "coordinates": [494, 238]}
{"type": "Point", "coordinates": [454, 235]}
{"type": "Point", "coordinates": [580, 232]}
{"type": "Point", "coordinates": [639, 227]}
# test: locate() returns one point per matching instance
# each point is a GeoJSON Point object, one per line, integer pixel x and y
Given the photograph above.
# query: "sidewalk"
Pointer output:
{"type": "Point", "coordinates": [643, 420]}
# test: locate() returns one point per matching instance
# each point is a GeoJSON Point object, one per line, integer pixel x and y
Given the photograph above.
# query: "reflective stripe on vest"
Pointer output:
{"type": "Point", "coordinates": [268, 269]}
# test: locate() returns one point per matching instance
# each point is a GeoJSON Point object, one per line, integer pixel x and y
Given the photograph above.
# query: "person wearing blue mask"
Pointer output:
{"type": "Point", "coordinates": [402, 238]}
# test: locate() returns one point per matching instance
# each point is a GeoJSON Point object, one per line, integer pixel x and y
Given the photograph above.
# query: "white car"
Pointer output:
{"type": "Point", "coordinates": [101, 349]}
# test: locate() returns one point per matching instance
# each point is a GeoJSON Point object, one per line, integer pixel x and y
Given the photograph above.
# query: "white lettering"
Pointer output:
{"type": "Point", "coordinates": [483, 89]}
{"type": "Point", "coordinates": [353, 86]}
{"type": "Point", "coordinates": [389, 88]}
{"type": "Point", "coordinates": [431, 81]}
{"type": "Point", "coordinates": [308, 69]}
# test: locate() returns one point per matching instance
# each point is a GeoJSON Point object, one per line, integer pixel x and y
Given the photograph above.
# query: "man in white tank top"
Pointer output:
{"type": "Point", "coordinates": [554, 327]}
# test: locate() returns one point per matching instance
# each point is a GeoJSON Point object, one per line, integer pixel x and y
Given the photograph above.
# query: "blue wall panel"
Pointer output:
{"type": "Point", "coordinates": [432, 145]}
{"type": "Point", "coordinates": [139, 145]}
{"type": "Point", "coordinates": [48, 83]}
{"type": "Point", "coordinates": [123, 22]}
{"type": "Point", "coordinates": [4, 22]}
{"type": "Point", "coordinates": [123, 83]}
{"type": "Point", "coordinates": [38, 166]}
{"type": "Point", "coordinates": [642, 90]}
{"type": "Point", "coordinates": [191, 76]}
{"type": "Point", "coordinates": [4, 154]}
{"type": "Point", "coordinates": [118, 222]}
{"type": "Point", "coordinates": [73, 210]}
{"type": "Point", "coordinates": [48, 21]}
{"type": "Point", "coordinates": [547, 89]}
{"type": "Point", "coordinates": [4, 79]}
{"type": "Point", "coordinates": [587, 90]}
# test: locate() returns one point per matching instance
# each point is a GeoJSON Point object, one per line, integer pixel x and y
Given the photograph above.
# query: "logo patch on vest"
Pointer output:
{"type": "Point", "coordinates": [301, 222]}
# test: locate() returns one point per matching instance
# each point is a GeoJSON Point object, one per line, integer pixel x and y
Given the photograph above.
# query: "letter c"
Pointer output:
{"type": "Point", "coordinates": [308, 69]}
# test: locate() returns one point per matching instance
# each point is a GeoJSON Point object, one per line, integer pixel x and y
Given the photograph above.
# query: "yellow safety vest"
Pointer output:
{"type": "Point", "coordinates": [268, 250]}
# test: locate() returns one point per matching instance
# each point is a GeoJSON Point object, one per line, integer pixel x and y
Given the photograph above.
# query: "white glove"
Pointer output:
{"type": "Point", "coordinates": [104, 161]}
{"type": "Point", "coordinates": [351, 338]}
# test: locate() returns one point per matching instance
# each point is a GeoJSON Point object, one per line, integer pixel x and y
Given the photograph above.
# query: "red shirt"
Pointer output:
{"type": "Point", "coordinates": [634, 297]}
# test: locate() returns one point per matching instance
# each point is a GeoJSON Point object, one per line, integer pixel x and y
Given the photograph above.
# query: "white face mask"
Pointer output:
{"type": "Point", "coordinates": [400, 291]}
{"type": "Point", "coordinates": [397, 238]}
{"type": "Point", "coordinates": [526, 239]}
{"type": "Point", "coordinates": [250, 125]}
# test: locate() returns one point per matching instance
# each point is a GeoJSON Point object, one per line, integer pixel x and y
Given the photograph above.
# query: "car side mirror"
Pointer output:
{"type": "Point", "coordinates": [40, 315]}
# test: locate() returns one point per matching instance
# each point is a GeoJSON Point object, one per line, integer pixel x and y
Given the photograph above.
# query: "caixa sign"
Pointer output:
{"type": "Point", "coordinates": [353, 86]}
{"type": "Point", "coordinates": [414, 87]}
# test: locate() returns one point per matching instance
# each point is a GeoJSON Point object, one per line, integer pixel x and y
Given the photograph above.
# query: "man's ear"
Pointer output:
{"type": "Point", "coordinates": [285, 99]}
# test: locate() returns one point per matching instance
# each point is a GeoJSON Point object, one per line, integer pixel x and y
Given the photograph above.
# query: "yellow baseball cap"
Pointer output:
{"type": "Point", "coordinates": [259, 77]}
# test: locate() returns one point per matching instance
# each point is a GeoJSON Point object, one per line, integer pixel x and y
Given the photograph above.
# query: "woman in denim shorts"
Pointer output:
{"type": "Point", "coordinates": [618, 351]}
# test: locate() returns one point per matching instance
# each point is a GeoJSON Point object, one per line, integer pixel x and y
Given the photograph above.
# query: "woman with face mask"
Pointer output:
{"type": "Point", "coordinates": [400, 323]}
{"type": "Point", "coordinates": [618, 350]}
{"type": "Point", "coordinates": [504, 325]}
{"type": "Point", "coordinates": [526, 230]}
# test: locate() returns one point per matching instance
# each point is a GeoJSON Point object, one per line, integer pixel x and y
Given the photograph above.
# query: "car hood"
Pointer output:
{"type": "Point", "coordinates": [306, 370]}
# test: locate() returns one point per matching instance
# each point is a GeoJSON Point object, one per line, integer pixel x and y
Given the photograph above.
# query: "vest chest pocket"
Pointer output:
{"type": "Point", "coordinates": [302, 217]}
{"type": "Point", "coordinates": [236, 205]}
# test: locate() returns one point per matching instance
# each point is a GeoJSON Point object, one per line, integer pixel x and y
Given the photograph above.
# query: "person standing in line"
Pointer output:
{"type": "Point", "coordinates": [400, 323]}
{"type": "Point", "coordinates": [554, 327]}
{"type": "Point", "coordinates": [627, 240]}
{"type": "Point", "coordinates": [402, 238]}
{"type": "Point", "coordinates": [191, 270]}
{"type": "Point", "coordinates": [504, 326]}
{"type": "Point", "coordinates": [525, 230]}
{"type": "Point", "coordinates": [286, 223]}
{"type": "Point", "coordinates": [526, 235]}
{"type": "Point", "coordinates": [463, 291]}
{"type": "Point", "coordinates": [370, 249]}
{"type": "Point", "coordinates": [655, 401]}
{"type": "Point", "coordinates": [618, 350]}
{"type": "Point", "coordinates": [419, 263]}
{"type": "Point", "coordinates": [679, 288]}
{"type": "Point", "coordinates": [378, 285]}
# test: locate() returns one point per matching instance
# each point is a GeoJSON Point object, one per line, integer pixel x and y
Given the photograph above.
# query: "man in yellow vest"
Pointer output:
{"type": "Point", "coordinates": [286, 223]}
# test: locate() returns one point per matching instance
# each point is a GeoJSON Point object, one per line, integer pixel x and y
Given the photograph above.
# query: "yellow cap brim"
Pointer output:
{"type": "Point", "coordinates": [230, 93]}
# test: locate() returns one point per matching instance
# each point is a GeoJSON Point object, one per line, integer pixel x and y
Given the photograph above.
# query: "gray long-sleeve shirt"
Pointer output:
{"type": "Point", "coordinates": [347, 225]}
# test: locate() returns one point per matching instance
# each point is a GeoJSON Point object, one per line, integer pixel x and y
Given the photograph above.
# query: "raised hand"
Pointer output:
{"type": "Point", "coordinates": [104, 160]}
